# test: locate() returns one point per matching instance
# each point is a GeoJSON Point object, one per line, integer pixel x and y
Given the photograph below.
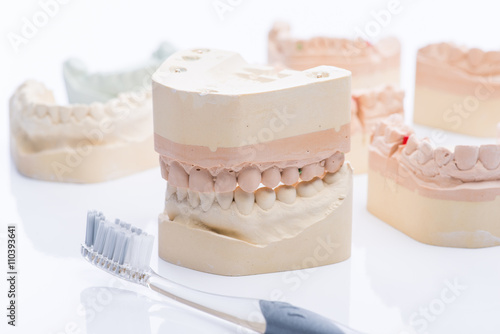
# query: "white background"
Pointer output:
{"type": "Point", "coordinates": [389, 278]}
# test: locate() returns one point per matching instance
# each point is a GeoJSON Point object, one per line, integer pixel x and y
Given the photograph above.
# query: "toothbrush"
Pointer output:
{"type": "Point", "coordinates": [125, 251]}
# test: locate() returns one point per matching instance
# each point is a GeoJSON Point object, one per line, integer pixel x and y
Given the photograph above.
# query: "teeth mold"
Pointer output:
{"type": "Point", "coordinates": [458, 89]}
{"type": "Point", "coordinates": [85, 87]}
{"type": "Point", "coordinates": [368, 107]}
{"type": "Point", "coordinates": [434, 195]}
{"type": "Point", "coordinates": [371, 65]}
{"type": "Point", "coordinates": [81, 143]}
{"type": "Point", "coordinates": [261, 154]}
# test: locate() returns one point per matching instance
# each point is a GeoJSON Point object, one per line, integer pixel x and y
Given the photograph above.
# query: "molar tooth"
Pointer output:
{"type": "Point", "coordinates": [306, 189]}
{"type": "Point", "coordinates": [201, 180]}
{"type": "Point", "coordinates": [178, 176]}
{"type": "Point", "coordinates": [40, 110]}
{"type": "Point", "coordinates": [290, 175]}
{"type": "Point", "coordinates": [271, 177]}
{"type": "Point", "coordinates": [286, 194]}
{"type": "Point", "coordinates": [54, 114]}
{"type": "Point", "coordinates": [265, 198]}
{"type": "Point", "coordinates": [466, 156]}
{"type": "Point", "coordinates": [224, 199]}
{"type": "Point", "coordinates": [424, 153]}
{"type": "Point", "coordinates": [489, 156]}
{"type": "Point", "coordinates": [442, 156]}
{"type": "Point", "coordinates": [206, 199]}
{"type": "Point", "coordinates": [97, 111]}
{"type": "Point", "coordinates": [170, 190]}
{"type": "Point", "coordinates": [29, 110]}
{"type": "Point", "coordinates": [249, 179]}
{"type": "Point", "coordinates": [333, 163]}
{"type": "Point", "coordinates": [65, 114]}
{"type": "Point", "coordinates": [182, 193]}
{"type": "Point", "coordinates": [411, 145]}
{"type": "Point", "coordinates": [225, 182]}
{"type": "Point", "coordinates": [244, 201]}
{"type": "Point", "coordinates": [311, 171]}
{"type": "Point", "coordinates": [80, 112]}
{"type": "Point", "coordinates": [193, 198]}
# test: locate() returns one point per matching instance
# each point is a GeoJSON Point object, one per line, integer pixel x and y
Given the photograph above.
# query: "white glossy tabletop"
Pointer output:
{"type": "Point", "coordinates": [390, 285]}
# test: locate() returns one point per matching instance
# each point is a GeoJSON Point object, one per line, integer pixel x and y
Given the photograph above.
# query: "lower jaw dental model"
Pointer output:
{"type": "Point", "coordinates": [80, 143]}
{"type": "Point", "coordinates": [436, 196]}
{"type": "Point", "coordinates": [457, 89]}
{"type": "Point", "coordinates": [103, 136]}
{"type": "Point", "coordinates": [254, 163]}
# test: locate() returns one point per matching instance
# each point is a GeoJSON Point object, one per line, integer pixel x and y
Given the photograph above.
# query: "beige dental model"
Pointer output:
{"type": "Point", "coordinates": [254, 160]}
{"type": "Point", "coordinates": [458, 89]}
{"type": "Point", "coordinates": [434, 195]}
{"type": "Point", "coordinates": [368, 107]}
{"type": "Point", "coordinates": [371, 65]}
{"type": "Point", "coordinates": [80, 143]}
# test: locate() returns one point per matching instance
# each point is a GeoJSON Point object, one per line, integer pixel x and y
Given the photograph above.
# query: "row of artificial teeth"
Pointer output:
{"type": "Point", "coordinates": [264, 197]}
{"type": "Point", "coordinates": [473, 58]}
{"type": "Point", "coordinates": [78, 112]}
{"type": "Point", "coordinates": [249, 178]}
{"type": "Point", "coordinates": [464, 157]}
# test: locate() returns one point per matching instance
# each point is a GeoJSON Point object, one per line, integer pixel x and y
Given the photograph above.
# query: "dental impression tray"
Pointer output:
{"type": "Point", "coordinates": [254, 160]}
{"type": "Point", "coordinates": [434, 195]}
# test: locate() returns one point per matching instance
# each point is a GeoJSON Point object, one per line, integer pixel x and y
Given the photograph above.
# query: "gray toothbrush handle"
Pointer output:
{"type": "Point", "coordinates": [284, 318]}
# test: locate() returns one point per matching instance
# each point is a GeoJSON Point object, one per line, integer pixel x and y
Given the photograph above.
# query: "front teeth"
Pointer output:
{"type": "Point", "coordinates": [65, 113]}
{"type": "Point", "coordinates": [171, 190]}
{"type": "Point", "coordinates": [244, 201]}
{"type": "Point", "coordinates": [224, 199]}
{"type": "Point", "coordinates": [466, 156]}
{"type": "Point", "coordinates": [207, 199]}
{"type": "Point", "coordinates": [182, 193]}
{"type": "Point", "coordinates": [193, 198]}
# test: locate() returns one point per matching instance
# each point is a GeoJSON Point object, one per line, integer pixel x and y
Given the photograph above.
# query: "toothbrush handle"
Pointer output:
{"type": "Point", "coordinates": [261, 316]}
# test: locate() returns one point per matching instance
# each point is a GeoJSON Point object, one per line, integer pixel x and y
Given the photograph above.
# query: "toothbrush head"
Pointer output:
{"type": "Point", "coordinates": [118, 248]}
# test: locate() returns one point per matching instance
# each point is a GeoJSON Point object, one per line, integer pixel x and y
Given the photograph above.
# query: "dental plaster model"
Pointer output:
{"type": "Point", "coordinates": [85, 87]}
{"type": "Point", "coordinates": [371, 65]}
{"type": "Point", "coordinates": [80, 143]}
{"type": "Point", "coordinates": [434, 195]}
{"type": "Point", "coordinates": [254, 160]}
{"type": "Point", "coordinates": [368, 107]}
{"type": "Point", "coordinates": [457, 89]}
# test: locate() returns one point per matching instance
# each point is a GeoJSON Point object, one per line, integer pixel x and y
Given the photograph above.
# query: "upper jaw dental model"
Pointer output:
{"type": "Point", "coordinates": [458, 89]}
{"type": "Point", "coordinates": [368, 107]}
{"type": "Point", "coordinates": [85, 143]}
{"type": "Point", "coordinates": [434, 195]}
{"type": "Point", "coordinates": [372, 65]}
{"type": "Point", "coordinates": [254, 160]}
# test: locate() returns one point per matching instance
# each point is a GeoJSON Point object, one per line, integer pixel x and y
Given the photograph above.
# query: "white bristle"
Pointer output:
{"type": "Point", "coordinates": [117, 245]}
